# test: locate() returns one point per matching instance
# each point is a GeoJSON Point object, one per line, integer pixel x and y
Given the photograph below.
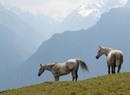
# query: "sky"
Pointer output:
{"type": "Point", "coordinates": [57, 9]}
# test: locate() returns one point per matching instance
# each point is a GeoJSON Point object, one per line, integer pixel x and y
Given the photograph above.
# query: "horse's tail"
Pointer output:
{"type": "Point", "coordinates": [82, 65]}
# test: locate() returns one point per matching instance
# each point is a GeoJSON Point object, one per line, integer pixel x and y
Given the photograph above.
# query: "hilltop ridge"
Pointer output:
{"type": "Point", "coordinates": [116, 84]}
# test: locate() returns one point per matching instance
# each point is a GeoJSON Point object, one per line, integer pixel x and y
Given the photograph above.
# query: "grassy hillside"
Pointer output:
{"type": "Point", "coordinates": [118, 84]}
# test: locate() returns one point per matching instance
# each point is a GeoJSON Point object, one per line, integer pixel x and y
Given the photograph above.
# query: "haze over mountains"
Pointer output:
{"type": "Point", "coordinates": [29, 31]}
{"type": "Point", "coordinates": [15, 38]}
{"type": "Point", "coordinates": [112, 30]}
{"type": "Point", "coordinates": [21, 33]}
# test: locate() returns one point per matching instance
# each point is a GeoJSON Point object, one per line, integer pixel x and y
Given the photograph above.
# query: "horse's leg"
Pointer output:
{"type": "Point", "coordinates": [113, 69]}
{"type": "Point", "coordinates": [108, 69]}
{"type": "Point", "coordinates": [56, 78]}
{"type": "Point", "coordinates": [76, 74]}
{"type": "Point", "coordinates": [119, 67]}
{"type": "Point", "coordinates": [73, 76]}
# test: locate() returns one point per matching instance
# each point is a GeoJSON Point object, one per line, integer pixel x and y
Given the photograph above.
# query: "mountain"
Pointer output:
{"type": "Point", "coordinates": [17, 40]}
{"type": "Point", "coordinates": [47, 27]}
{"type": "Point", "coordinates": [75, 20]}
{"type": "Point", "coordinates": [128, 3]}
{"type": "Point", "coordinates": [9, 56]}
{"type": "Point", "coordinates": [87, 15]}
{"type": "Point", "coordinates": [25, 43]}
{"type": "Point", "coordinates": [83, 17]}
{"type": "Point", "coordinates": [112, 30]}
{"type": "Point", "coordinates": [42, 23]}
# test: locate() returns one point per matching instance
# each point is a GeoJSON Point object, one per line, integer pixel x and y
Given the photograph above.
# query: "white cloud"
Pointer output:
{"type": "Point", "coordinates": [123, 2]}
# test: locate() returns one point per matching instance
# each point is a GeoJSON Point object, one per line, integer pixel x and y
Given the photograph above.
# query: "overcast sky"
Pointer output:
{"type": "Point", "coordinates": [54, 8]}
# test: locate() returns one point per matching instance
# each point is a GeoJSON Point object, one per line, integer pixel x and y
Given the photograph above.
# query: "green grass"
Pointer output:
{"type": "Point", "coordinates": [117, 84]}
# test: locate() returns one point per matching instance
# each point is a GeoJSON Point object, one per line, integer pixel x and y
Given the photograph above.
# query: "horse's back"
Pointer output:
{"type": "Point", "coordinates": [71, 60]}
{"type": "Point", "coordinates": [60, 65]}
{"type": "Point", "coordinates": [71, 63]}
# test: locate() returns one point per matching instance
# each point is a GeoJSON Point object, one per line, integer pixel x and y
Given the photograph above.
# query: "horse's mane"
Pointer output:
{"type": "Point", "coordinates": [107, 48]}
{"type": "Point", "coordinates": [49, 64]}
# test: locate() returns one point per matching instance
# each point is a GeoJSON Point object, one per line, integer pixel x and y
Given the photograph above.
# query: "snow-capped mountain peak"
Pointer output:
{"type": "Point", "coordinates": [83, 11]}
{"type": "Point", "coordinates": [92, 9]}
{"type": "Point", "coordinates": [99, 7]}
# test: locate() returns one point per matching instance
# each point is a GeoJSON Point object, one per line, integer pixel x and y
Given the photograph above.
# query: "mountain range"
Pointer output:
{"type": "Point", "coordinates": [22, 33]}
{"type": "Point", "coordinates": [11, 51]}
{"type": "Point", "coordinates": [31, 30]}
{"type": "Point", "coordinates": [112, 30]}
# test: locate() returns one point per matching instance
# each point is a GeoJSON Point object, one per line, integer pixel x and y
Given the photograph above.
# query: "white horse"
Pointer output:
{"type": "Point", "coordinates": [114, 58]}
{"type": "Point", "coordinates": [59, 69]}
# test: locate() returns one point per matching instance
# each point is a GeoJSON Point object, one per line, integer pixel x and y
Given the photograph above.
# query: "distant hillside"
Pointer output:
{"type": "Point", "coordinates": [9, 56]}
{"type": "Point", "coordinates": [25, 35]}
{"type": "Point", "coordinates": [76, 21]}
{"type": "Point", "coordinates": [43, 24]}
{"type": "Point", "coordinates": [116, 84]}
{"type": "Point", "coordinates": [8, 46]}
{"type": "Point", "coordinates": [17, 40]}
{"type": "Point", "coordinates": [112, 30]}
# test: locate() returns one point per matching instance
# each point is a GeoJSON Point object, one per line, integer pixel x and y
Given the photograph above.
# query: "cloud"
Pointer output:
{"type": "Point", "coordinates": [123, 2]}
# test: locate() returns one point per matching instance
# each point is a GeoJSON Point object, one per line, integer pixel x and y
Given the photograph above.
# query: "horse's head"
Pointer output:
{"type": "Point", "coordinates": [41, 70]}
{"type": "Point", "coordinates": [100, 52]}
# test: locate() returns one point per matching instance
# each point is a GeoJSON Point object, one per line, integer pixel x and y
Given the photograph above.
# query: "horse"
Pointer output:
{"type": "Point", "coordinates": [59, 69]}
{"type": "Point", "coordinates": [114, 58]}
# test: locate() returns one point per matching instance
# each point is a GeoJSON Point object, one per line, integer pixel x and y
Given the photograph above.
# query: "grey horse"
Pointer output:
{"type": "Point", "coordinates": [114, 58]}
{"type": "Point", "coordinates": [59, 69]}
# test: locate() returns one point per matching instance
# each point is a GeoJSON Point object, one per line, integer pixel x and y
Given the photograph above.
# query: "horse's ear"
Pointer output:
{"type": "Point", "coordinates": [41, 65]}
{"type": "Point", "coordinates": [99, 46]}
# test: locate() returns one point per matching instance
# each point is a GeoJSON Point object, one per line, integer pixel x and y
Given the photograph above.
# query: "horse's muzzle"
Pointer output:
{"type": "Point", "coordinates": [97, 57]}
{"type": "Point", "coordinates": [39, 74]}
